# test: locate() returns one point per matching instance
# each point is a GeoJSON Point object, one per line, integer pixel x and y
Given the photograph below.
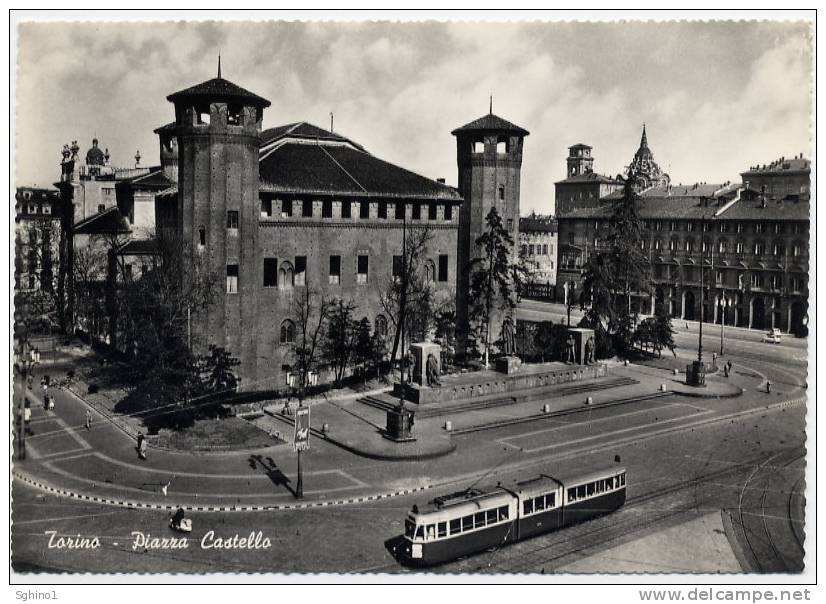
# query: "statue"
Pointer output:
{"type": "Point", "coordinates": [570, 350]}
{"type": "Point", "coordinates": [432, 371]}
{"type": "Point", "coordinates": [66, 153]}
{"type": "Point", "coordinates": [508, 337]}
{"type": "Point", "coordinates": [410, 360]}
{"type": "Point", "coordinates": [589, 351]}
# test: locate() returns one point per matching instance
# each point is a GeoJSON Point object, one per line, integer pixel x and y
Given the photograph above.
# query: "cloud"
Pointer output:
{"type": "Point", "coordinates": [717, 97]}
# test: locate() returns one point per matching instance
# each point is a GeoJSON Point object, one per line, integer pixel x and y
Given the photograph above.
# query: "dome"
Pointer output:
{"type": "Point", "coordinates": [94, 156]}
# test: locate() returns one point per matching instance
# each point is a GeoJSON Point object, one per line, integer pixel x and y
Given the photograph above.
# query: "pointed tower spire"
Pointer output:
{"type": "Point", "coordinates": [644, 140]}
{"type": "Point", "coordinates": [219, 64]}
{"type": "Point", "coordinates": [491, 105]}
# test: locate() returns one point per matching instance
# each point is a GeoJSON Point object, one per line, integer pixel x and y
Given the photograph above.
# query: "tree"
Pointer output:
{"type": "Point", "coordinates": [363, 345]}
{"type": "Point", "coordinates": [549, 340]}
{"type": "Point", "coordinates": [445, 326]}
{"type": "Point", "coordinates": [310, 310]}
{"type": "Point", "coordinates": [663, 331]}
{"type": "Point", "coordinates": [492, 277]}
{"type": "Point", "coordinates": [407, 299]}
{"type": "Point", "coordinates": [617, 271]}
{"type": "Point", "coordinates": [217, 372]}
{"type": "Point", "coordinates": [526, 340]}
{"type": "Point", "coordinates": [337, 346]}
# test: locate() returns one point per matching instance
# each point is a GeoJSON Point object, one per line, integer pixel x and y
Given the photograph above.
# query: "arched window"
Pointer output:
{"type": "Point", "coordinates": [287, 335]}
{"type": "Point", "coordinates": [202, 235]}
{"type": "Point", "coordinates": [286, 276]}
{"type": "Point", "coordinates": [689, 245]}
{"type": "Point", "coordinates": [381, 326]}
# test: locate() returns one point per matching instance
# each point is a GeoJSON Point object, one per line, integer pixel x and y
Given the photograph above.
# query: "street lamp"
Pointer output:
{"type": "Point", "coordinates": [26, 358]}
{"type": "Point", "coordinates": [725, 303]}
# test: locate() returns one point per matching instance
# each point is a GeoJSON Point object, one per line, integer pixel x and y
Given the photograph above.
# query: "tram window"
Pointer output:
{"type": "Point", "coordinates": [441, 529]}
{"type": "Point", "coordinates": [478, 519]}
{"type": "Point", "coordinates": [550, 500]}
{"type": "Point", "coordinates": [527, 506]}
{"type": "Point", "coordinates": [600, 486]}
{"type": "Point", "coordinates": [467, 523]}
{"type": "Point", "coordinates": [409, 528]}
{"type": "Point", "coordinates": [592, 488]}
{"type": "Point", "coordinates": [420, 531]}
{"type": "Point", "coordinates": [431, 531]}
{"type": "Point", "coordinates": [571, 494]}
{"type": "Point", "coordinates": [491, 516]}
{"type": "Point", "coordinates": [455, 526]}
{"type": "Point", "coordinates": [622, 479]}
{"type": "Point", "coordinates": [539, 503]}
{"type": "Point", "coordinates": [503, 513]}
{"type": "Point", "coordinates": [580, 491]}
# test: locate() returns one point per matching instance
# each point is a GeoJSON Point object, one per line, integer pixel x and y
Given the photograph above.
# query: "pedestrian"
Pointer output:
{"type": "Point", "coordinates": [729, 366]}
{"type": "Point", "coordinates": [725, 370]}
{"type": "Point", "coordinates": [88, 419]}
{"type": "Point", "coordinates": [714, 358]}
{"type": "Point", "coordinates": [768, 387]}
{"type": "Point", "coordinates": [141, 446]}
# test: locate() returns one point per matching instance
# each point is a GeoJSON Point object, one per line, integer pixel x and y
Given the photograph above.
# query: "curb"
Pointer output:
{"type": "Point", "coordinates": [213, 508]}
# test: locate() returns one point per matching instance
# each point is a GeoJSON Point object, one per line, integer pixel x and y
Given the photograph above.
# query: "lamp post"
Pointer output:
{"type": "Point", "coordinates": [724, 304]}
{"type": "Point", "coordinates": [25, 359]}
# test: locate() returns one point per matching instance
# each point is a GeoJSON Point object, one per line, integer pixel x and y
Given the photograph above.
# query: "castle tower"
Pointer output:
{"type": "Point", "coordinates": [218, 126]}
{"type": "Point", "coordinates": [489, 156]}
{"type": "Point", "coordinates": [579, 160]}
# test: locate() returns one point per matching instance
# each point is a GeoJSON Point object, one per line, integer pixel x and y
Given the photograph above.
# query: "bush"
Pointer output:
{"type": "Point", "coordinates": [603, 340]}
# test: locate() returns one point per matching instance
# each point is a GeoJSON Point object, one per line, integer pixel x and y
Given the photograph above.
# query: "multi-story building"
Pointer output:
{"type": "Point", "coordinates": [37, 233]}
{"type": "Point", "coordinates": [753, 245]}
{"type": "Point", "coordinates": [292, 207]}
{"type": "Point", "coordinates": [538, 243]}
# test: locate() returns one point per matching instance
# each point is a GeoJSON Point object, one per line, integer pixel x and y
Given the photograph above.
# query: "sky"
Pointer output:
{"type": "Point", "coordinates": [716, 97]}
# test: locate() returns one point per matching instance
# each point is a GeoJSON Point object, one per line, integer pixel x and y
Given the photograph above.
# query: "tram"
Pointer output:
{"type": "Point", "coordinates": [477, 519]}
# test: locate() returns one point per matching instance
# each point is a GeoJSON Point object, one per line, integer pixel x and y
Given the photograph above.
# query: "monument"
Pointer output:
{"type": "Point", "coordinates": [508, 363]}
{"type": "Point", "coordinates": [580, 346]}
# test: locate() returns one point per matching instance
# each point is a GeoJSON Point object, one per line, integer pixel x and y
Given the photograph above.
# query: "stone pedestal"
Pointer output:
{"type": "Point", "coordinates": [399, 425]}
{"type": "Point", "coordinates": [581, 336]}
{"type": "Point", "coordinates": [695, 374]}
{"type": "Point", "coordinates": [421, 350]}
{"type": "Point", "coordinates": [508, 365]}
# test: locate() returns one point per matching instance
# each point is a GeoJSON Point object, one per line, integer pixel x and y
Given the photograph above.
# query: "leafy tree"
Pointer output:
{"type": "Point", "coordinates": [526, 340]}
{"type": "Point", "coordinates": [492, 277]}
{"type": "Point", "coordinates": [663, 331]}
{"type": "Point", "coordinates": [604, 343]}
{"type": "Point", "coordinates": [337, 346]}
{"type": "Point", "coordinates": [378, 351]}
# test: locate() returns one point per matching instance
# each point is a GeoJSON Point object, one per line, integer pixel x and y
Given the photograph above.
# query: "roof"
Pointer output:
{"type": "Point", "coordinates": [590, 177]}
{"type": "Point", "coordinates": [303, 130]}
{"type": "Point", "coordinates": [155, 180]}
{"type": "Point", "coordinates": [109, 221]}
{"type": "Point", "coordinates": [170, 127]}
{"type": "Point", "coordinates": [530, 223]}
{"type": "Point", "coordinates": [343, 170]}
{"type": "Point", "coordinates": [218, 89]}
{"type": "Point", "coordinates": [139, 247]}
{"type": "Point", "coordinates": [463, 503]}
{"type": "Point", "coordinates": [578, 477]}
{"type": "Point", "coordinates": [580, 146]}
{"type": "Point", "coordinates": [794, 164]}
{"type": "Point", "coordinates": [491, 122]}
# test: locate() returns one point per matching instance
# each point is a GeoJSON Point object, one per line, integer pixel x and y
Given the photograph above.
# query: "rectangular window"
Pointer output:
{"type": "Point", "coordinates": [530, 250]}
{"type": "Point", "coordinates": [689, 227]}
{"type": "Point", "coordinates": [724, 227]}
{"type": "Point", "coordinates": [266, 208]}
{"type": "Point", "coordinates": [443, 267]}
{"type": "Point", "coordinates": [307, 208]}
{"type": "Point", "coordinates": [345, 209]}
{"type": "Point", "coordinates": [431, 210]}
{"type": "Point", "coordinates": [286, 208]}
{"type": "Point", "coordinates": [467, 523]}
{"type": "Point", "coordinates": [362, 265]}
{"type": "Point", "coordinates": [232, 219]}
{"type": "Point", "coordinates": [455, 526]}
{"type": "Point", "coordinates": [758, 228]}
{"type": "Point", "coordinates": [539, 503]}
{"type": "Point", "coordinates": [441, 529]}
{"type": "Point", "coordinates": [448, 211]}
{"type": "Point", "coordinates": [796, 250]}
{"type": "Point", "coordinates": [479, 520]}
{"type": "Point", "coordinates": [364, 209]}
{"type": "Point", "coordinates": [417, 211]}
{"type": "Point", "coordinates": [658, 226]}
{"type": "Point", "coordinates": [270, 272]}
{"type": "Point", "coordinates": [510, 225]}
{"type": "Point", "coordinates": [503, 513]}
{"type": "Point", "coordinates": [501, 192]}
{"type": "Point", "coordinates": [527, 506]}
{"type": "Point", "coordinates": [490, 516]}
{"type": "Point", "coordinates": [544, 249]}
{"type": "Point", "coordinates": [300, 271]}
{"type": "Point", "coordinates": [550, 500]}
{"type": "Point", "coordinates": [383, 209]}
{"type": "Point", "coordinates": [572, 494]}
{"type": "Point", "coordinates": [327, 208]}
{"type": "Point", "coordinates": [399, 210]}
{"type": "Point", "coordinates": [335, 270]}
{"type": "Point", "coordinates": [232, 278]}
{"type": "Point", "coordinates": [739, 227]}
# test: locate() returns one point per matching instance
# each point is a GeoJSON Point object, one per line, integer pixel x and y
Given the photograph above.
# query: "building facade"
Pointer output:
{"type": "Point", "coordinates": [748, 247]}
{"type": "Point", "coordinates": [277, 211]}
{"type": "Point", "coordinates": [538, 243]}
{"type": "Point", "coordinates": [37, 234]}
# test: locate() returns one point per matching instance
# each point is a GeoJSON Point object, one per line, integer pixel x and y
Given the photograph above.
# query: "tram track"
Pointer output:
{"type": "Point", "coordinates": [794, 525]}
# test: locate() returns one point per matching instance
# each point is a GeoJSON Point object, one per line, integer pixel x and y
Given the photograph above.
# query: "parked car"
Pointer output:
{"type": "Point", "coordinates": [772, 338]}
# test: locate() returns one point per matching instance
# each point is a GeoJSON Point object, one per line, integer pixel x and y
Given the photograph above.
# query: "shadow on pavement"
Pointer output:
{"type": "Point", "coordinates": [272, 471]}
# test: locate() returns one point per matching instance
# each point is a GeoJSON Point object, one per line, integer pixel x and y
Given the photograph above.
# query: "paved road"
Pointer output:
{"type": "Point", "coordinates": [678, 447]}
